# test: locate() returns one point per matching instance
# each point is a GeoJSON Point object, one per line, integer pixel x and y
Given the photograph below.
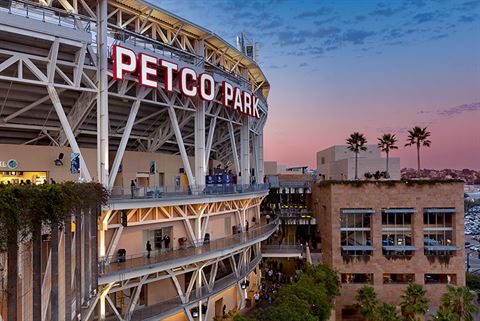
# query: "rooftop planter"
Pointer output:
{"type": "Point", "coordinates": [389, 183]}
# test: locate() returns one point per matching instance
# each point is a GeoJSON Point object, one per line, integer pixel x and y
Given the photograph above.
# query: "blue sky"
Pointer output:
{"type": "Point", "coordinates": [372, 66]}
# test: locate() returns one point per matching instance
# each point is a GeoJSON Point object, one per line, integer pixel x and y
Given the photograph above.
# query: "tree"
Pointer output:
{"type": "Point", "coordinates": [460, 301]}
{"type": "Point", "coordinates": [366, 302]}
{"type": "Point", "coordinates": [386, 143]}
{"type": "Point", "coordinates": [473, 281]}
{"type": "Point", "coordinates": [356, 143]}
{"type": "Point", "coordinates": [386, 312]}
{"type": "Point", "coordinates": [414, 302]}
{"type": "Point", "coordinates": [419, 137]}
{"type": "Point", "coordinates": [444, 314]}
{"type": "Point", "coordinates": [311, 298]}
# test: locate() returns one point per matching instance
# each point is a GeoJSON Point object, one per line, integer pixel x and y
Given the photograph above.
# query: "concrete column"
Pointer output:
{"type": "Point", "coordinates": [245, 151]}
{"type": "Point", "coordinates": [87, 258]}
{"type": "Point", "coordinates": [68, 268]}
{"type": "Point", "coordinates": [78, 265]}
{"type": "Point", "coordinates": [54, 290]}
{"type": "Point", "coordinates": [94, 247]}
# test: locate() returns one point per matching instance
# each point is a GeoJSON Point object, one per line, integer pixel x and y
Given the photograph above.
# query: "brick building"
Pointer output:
{"type": "Point", "coordinates": [389, 234]}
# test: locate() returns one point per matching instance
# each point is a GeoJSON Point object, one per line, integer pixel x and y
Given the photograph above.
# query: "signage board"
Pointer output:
{"type": "Point", "coordinates": [10, 164]}
{"type": "Point", "coordinates": [189, 83]}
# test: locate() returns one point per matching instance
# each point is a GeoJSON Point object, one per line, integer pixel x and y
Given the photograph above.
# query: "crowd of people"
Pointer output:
{"type": "Point", "coordinates": [273, 278]}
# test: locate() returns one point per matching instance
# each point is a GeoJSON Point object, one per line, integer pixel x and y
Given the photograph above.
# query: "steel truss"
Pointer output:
{"type": "Point", "coordinates": [57, 88]}
{"type": "Point", "coordinates": [148, 119]}
{"type": "Point", "coordinates": [199, 289]}
{"type": "Point", "coordinates": [198, 213]}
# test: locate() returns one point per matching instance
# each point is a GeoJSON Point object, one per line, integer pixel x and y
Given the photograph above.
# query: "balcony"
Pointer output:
{"type": "Point", "coordinates": [125, 198]}
{"type": "Point", "coordinates": [138, 266]}
{"type": "Point", "coordinates": [173, 305]}
{"type": "Point", "coordinates": [286, 250]}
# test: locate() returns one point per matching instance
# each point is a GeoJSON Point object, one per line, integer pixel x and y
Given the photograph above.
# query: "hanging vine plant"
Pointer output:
{"type": "Point", "coordinates": [443, 259]}
{"type": "Point", "coordinates": [25, 209]}
{"type": "Point", "coordinates": [348, 258]}
{"type": "Point", "coordinates": [395, 257]}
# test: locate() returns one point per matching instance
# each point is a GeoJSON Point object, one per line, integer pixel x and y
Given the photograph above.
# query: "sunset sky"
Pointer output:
{"type": "Point", "coordinates": [361, 65]}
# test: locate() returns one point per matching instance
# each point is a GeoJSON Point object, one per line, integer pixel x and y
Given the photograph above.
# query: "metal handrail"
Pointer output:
{"type": "Point", "coordinates": [36, 11]}
{"type": "Point", "coordinates": [140, 260]}
{"type": "Point", "coordinates": [196, 295]}
{"type": "Point", "coordinates": [165, 192]}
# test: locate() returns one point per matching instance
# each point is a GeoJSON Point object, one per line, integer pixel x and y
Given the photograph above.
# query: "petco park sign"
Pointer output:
{"type": "Point", "coordinates": [189, 83]}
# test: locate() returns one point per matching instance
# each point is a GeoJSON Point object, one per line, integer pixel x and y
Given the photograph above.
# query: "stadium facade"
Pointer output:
{"type": "Point", "coordinates": [169, 117]}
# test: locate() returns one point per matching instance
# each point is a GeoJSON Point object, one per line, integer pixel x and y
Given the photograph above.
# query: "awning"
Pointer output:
{"type": "Point", "coordinates": [358, 248]}
{"type": "Point", "coordinates": [399, 248]}
{"type": "Point", "coordinates": [357, 211]}
{"type": "Point", "coordinates": [442, 248]}
{"type": "Point", "coordinates": [441, 210]}
{"type": "Point", "coordinates": [399, 210]}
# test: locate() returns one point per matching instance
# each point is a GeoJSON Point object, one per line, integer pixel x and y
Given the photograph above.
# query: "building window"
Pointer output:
{"type": "Point", "coordinates": [357, 278]}
{"type": "Point", "coordinates": [355, 232]}
{"type": "Point", "coordinates": [438, 231]}
{"type": "Point", "coordinates": [397, 232]}
{"type": "Point", "coordinates": [440, 279]}
{"type": "Point", "coordinates": [398, 278]}
{"type": "Point", "coordinates": [323, 160]}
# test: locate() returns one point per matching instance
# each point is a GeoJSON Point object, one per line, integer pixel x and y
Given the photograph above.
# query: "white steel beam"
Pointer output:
{"type": "Point", "coordinates": [234, 147]}
{"type": "Point", "coordinates": [30, 106]}
{"type": "Point", "coordinates": [200, 156]}
{"type": "Point", "coordinates": [113, 244]}
{"type": "Point", "coordinates": [245, 151]}
{"type": "Point", "coordinates": [181, 145]}
{"type": "Point", "coordinates": [68, 130]}
{"type": "Point", "coordinates": [134, 300]}
{"type": "Point", "coordinates": [102, 100]}
{"type": "Point", "coordinates": [211, 132]}
{"type": "Point", "coordinates": [260, 165]}
{"type": "Point", "coordinates": [126, 135]}
{"type": "Point", "coordinates": [52, 64]}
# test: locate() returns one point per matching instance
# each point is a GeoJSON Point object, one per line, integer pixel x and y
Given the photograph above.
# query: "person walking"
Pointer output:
{"type": "Point", "coordinates": [149, 249]}
{"type": "Point", "coordinates": [132, 188]}
{"type": "Point", "coordinates": [166, 240]}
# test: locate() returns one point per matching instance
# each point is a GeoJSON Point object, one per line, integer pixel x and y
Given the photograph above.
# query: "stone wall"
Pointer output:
{"type": "Point", "coordinates": [330, 198]}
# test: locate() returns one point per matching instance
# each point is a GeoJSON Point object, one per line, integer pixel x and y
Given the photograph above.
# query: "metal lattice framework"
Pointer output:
{"type": "Point", "coordinates": [74, 100]}
{"type": "Point", "coordinates": [57, 88]}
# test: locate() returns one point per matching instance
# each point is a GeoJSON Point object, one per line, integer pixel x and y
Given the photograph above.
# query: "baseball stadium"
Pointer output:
{"type": "Point", "coordinates": [169, 117]}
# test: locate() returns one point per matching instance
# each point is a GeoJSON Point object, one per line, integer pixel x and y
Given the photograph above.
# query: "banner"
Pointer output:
{"type": "Point", "coordinates": [75, 163]}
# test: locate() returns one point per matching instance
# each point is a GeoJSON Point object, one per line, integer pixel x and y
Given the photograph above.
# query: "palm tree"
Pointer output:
{"type": "Point", "coordinates": [387, 143]}
{"type": "Point", "coordinates": [356, 143]}
{"type": "Point", "coordinates": [366, 302]}
{"type": "Point", "coordinates": [460, 301]}
{"type": "Point", "coordinates": [444, 314]}
{"type": "Point", "coordinates": [414, 302]}
{"type": "Point", "coordinates": [386, 312]}
{"type": "Point", "coordinates": [419, 137]}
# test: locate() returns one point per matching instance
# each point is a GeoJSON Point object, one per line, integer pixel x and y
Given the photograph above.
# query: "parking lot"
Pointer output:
{"type": "Point", "coordinates": [472, 239]}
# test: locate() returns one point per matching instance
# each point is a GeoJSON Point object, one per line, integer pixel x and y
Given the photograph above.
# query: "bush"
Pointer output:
{"type": "Point", "coordinates": [309, 299]}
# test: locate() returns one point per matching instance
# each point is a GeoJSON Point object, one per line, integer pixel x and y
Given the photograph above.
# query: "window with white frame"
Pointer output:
{"type": "Point", "coordinates": [438, 231]}
{"type": "Point", "coordinates": [397, 232]}
{"type": "Point", "coordinates": [355, 231]}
